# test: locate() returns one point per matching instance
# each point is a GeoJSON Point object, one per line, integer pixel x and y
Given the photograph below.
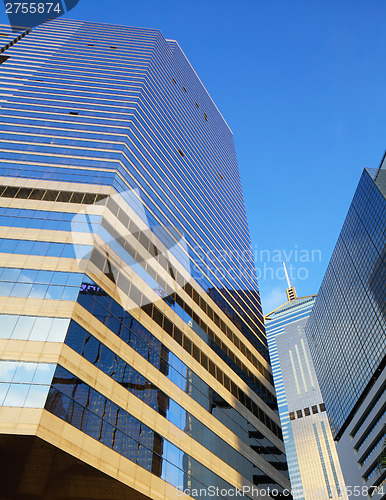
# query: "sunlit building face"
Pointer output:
{"type": "Point", "coordinates": [134, 361]}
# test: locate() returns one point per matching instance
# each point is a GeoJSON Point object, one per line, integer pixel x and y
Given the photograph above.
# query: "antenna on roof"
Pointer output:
{"type": "Point", "coordinates": [291, 292]}
{"type": "Point", "coordinates": [286, 274]}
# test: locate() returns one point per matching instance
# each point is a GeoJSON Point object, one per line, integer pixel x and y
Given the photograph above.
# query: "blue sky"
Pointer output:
{"type": "Point", "coordinates": [302, 85]}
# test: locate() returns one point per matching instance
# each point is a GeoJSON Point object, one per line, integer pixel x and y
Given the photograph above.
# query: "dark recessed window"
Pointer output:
{"type": "Point", "coordinates": [307, 412]}
{"type": "Point", "coordinates": [168, 326]}
{"type": "Point", "coordinates": [112, 47]}
{"type": "Point", "coordinates": [206, 117]}
{"type": "Point", "coordinates": [10, 192]}
{"type": "Point", "coordinates": [292, 415]}
{"type": "Point", "coordinates": [299, 413]}
{"type": "Point", "coordinates": [184, 89]}
{"type": "Point", "coordinates": [77, 198]}
{"type": "Point", "coordinates": [204, 360]}
{"type": "Point", "coordinates": [64, 196]}
{"type": "Point", "coordinates": [221, 177]}
{"type": "Point", "coordinates": [227, 382]}
{"type": "Point", "coordinates": [234, 390]}
{"type": "Point", "coordinates": [50, 195]}
{"type": "Point", "coordinates": [196, 353]}
{"type": "Point", "coordinates": [314, 409]}
{"type": "Point", "coordinates": [89, 199]}
{"type": "Point", "coordinates": [174, 80]}
{"type": "Point", "coordinates": [177, 335]}
{"type": "Point", "coordinates": [24, 193]}
{"type": "Point", "coordinates": [74, 113]}
{"type": "Point", "coordinates": [181, 153]}
{"type": "Point", "coordinates": [158, 316]}
{"type": "Point", "coordinates": [90, 45]}
{"type": "Point", "coordinates": [197, 106]}
{"type": "Point", "coordinates": [187, 344]}
{"type": "Point", "coordinates": [37, 194]}
{"type": "Point", "coordinates": [3, 34]}
{"type": "Point", "coordinates": [322, 407]}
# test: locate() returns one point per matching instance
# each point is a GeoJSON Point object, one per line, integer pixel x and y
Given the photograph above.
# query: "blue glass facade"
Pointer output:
{"type": "Point", "coordinates": [346, 333]}
{"type": "Point", "coordinates": [346, 330]}
{"type": "Point", "coordinates": [126, 265]}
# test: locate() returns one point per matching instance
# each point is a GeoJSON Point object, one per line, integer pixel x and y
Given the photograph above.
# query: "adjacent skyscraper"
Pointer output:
{"type": "Point", "coordinates": [134, 361]}
{"type": "Point", "coordinates": [313, 463]}
{"type": "Point", "coordinates": [347, 337]}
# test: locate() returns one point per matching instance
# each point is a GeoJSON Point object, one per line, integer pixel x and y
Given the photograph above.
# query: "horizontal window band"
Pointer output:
{"type": "Point", "coordinates": [67, 196]}
{"type": "Point", "coordinates": [172, 330]}
{"type": "Point", "coordinates": [100, 356]}
{"type": "Point", "coordinates": [105, 421]}
{"type": "Point", "coordinates": [51, 195]}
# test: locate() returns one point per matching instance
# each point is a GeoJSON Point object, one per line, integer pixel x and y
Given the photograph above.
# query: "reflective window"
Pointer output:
{"type": "Point", "coordinates": [33, 328]}
{"type": "Point", "coordinates": [26, 247]}
{"type": "Point", "coordinates": [350, 308]}
{"type": "Point", "coordinates": [86, 409]}
{"type": "Point", "coordinates": [25, 384]}
{"type": "Point", "coordinates": [138, 297]}
{"type": "Point", "coordinates": [110, 363]}
{"type": "Point", "coordinates": [118, 320]}
{"type": "Point", "coordinates": [31, 283]}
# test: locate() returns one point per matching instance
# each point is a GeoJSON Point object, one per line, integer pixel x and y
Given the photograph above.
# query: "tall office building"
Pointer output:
{"type": "Point", "coordinates": [134, 363]}
{"type": "Point", "coordinates": [313, 463]}
{"type": "Point", "coordinates": [346, 334]}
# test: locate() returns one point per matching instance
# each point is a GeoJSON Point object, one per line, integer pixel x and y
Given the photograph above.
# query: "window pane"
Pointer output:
{"type": "Point", "coordinates": [59, 279]}
{"type": "Point", "coordinates": [7, 324]}
{"type": "Point", "coordinates": [10, 275]}
{"type": "Point", "coordinates": [23, 327]}
{"type": "Point", "coordinates": [6, 288]}
{"type": "Point", "coordinates": [16, 395]}
{"type": "Point", "coordinates": [44, 373]}
{"type": "Point", "coordinates": [58, 330]}
{"type": "Point", "coordinates": [25, 372]}
{"type": "Point", "coordinates": [54, 292]}
{"type": "Point", "coordinates": [44, 277]}
{"type": "Point", "coordinates": [41, 328]}
{"type": "Point", "coordinates": [28, 276]}
{"type": "Point", "coordinates": [7, 370]}
{"type": "Point", "coordinates": [21, 290]}
{"type": "Point", "coordinates": [37, 396]}
{"type": "Point", "coordinates": [38, 292]}
{"type": "Point", "coordinates": [3, 392]}
{"type": "Point", "coordinates": [70, 293]}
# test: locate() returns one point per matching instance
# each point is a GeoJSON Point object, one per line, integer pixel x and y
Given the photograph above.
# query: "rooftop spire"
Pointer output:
{"type": "Point", "coordinates": [290, 291]}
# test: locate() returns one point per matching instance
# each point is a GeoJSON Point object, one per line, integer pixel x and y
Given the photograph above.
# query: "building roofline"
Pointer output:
{"type": "Point", "coordinates": [199, 79]}
{"type": "Point", "coordinates": [266, 317]}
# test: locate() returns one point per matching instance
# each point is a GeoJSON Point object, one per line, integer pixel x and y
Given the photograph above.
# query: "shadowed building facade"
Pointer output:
{"type": "Point", "coordinates": [346, 334]}
{"type": "Point", "coordinates": [134, 363]}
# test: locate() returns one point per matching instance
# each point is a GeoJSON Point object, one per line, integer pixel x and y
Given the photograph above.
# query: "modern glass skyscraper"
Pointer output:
{"type": "Point", "coordinates": [346, 334]}
{"type": "Point", "coordinates": [133, 354]}
{"type": "Point", "coordinates": [313, 463]}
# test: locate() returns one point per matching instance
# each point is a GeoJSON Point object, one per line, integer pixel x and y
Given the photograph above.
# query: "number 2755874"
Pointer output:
{"type": "Point", "coordinates": [32, 8]}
